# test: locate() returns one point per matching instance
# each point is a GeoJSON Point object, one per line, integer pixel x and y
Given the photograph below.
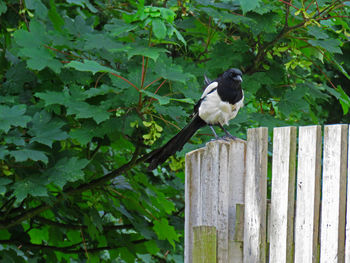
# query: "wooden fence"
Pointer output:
{"type": "Point", "coordinates": [228, 217]}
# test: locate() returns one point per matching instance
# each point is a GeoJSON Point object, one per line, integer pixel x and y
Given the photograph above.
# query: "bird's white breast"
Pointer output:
{"type": "Point", "coordinates": [215, 111]}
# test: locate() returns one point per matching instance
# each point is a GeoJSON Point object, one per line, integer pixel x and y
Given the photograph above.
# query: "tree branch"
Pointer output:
{"type": "Point", "coordinates": [285, 30]}
{"type": "Point", "coordinates": [10, 222]}
{"type": "Point", "coordinates": [78, 227]}
{"type": "Point", "coordinates": [68, 249]}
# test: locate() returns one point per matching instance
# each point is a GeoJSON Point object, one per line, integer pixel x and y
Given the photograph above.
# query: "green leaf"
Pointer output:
{"type": "Point", "coordinates": [293, 101]}
{"type": "Point", "coordinates": [165, 100]}
{"type": "Point", "coordinates": [317, 32]}
{"type": "Point", "coordinates": [3, 8]}
{"type": "Point", "coordinates": [166, 69]}
{"type": "Point", "coordinates": [102, 90]}
{"type": "Point", "coordinates": [102, 41]}
{"type": "Point", "coordinates": [55, 17]}
{"type": "Point", "coordinates": [74, 106]}
{"type": "Point", "coordinates": [46, 130]}
{"type": "Point", "coordinates": [67, 170]}
{"type": "Point", "coordinates": [341, 68]}
{"type": "Point", "coordinates": [152, 247]}
{"type": "Point", "coordinates": [85, 133]}
{"type": "Point", "coordinates": [33, 39]}
{"type": "Point", "coordinates": [13, 116]}
{"type": "Point", "coordinates": [53, 97]}
{"type": "Point", "coordinates": [248, 5]}
{"type": "Point", "coordinates": [161, 100]}
{"type": "Point", "coordinates": [159, 28]}
{"type": "Point", "coordinates": [28, 154]}
{"type": "Point", "coordinates": [175, 112]}
{"type": "Point", "coordinates": [34, 186]}
{"type": "Point", "coordinates": [39, 58]}
{"type": "Point", "coordinates": [151, 52]}
{"type": "Point", "coordinates": [38, 235]}
{"type": "Point", "coordinates": [118, 27]}
{"type": "Point", "coordinates": [84, 110]}
{"type": "Point", "coordinates": [3, 182]}
{"type": "Point", "coordinates": [165, 232]}
{"type": "Point", "coordinates": [90, 66]}
{"type": "Point", "coordinates": [179, 36]}
{"type": "Point", "coordinates": [38, 6]}
{"type": "Point", "coordinates": [167, 14]}
{"type": "Point", "coordinates": [5, 235]}
{"type": "Point", "coordinates": [3, 152]}
{"type": "Point", "coordinates": [74, 236]}
{"type": "Point", "coordinates": [344, 99]}
{"type": "Point", "coordinates": [331, 45]}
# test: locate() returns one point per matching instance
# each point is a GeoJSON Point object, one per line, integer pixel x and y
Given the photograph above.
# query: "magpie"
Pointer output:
{"type": "Point", "coordinates": [220, 102]}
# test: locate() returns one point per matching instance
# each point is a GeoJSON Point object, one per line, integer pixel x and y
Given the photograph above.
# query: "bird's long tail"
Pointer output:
{"type": "Point", "coordinates": [175, 144]}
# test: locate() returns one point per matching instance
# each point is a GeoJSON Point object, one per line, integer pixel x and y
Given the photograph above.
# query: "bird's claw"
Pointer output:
{"type": "Point", "coordinates": [230, 137]}
{"type": "Point", "coordinates": [225, 138]}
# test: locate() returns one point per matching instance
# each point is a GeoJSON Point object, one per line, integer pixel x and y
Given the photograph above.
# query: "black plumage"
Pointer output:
{"type": "Point", "coordinates": [220, 102]}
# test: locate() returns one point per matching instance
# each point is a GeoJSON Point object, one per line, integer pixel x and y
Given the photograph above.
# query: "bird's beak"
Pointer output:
{"type": "Point", "coordinates": [238, 78]}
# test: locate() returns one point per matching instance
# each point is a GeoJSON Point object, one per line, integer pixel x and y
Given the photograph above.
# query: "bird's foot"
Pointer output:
{"type": "Point", "coordinates": [229, 136]}
{"type": "Point", "coordinates": [224, 138]}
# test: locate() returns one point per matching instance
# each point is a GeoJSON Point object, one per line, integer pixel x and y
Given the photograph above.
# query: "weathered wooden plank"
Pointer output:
{"type": "Point", "coordinates": [214, 185]}
{"type": "Point", "coordinates": [192, 198]}
{"type": "Point", "coordinates": [282, 194]}
{"type": "Point", "coordinates": [333, 194]}
{"type": "Point", "coordinates": [204, 244]}
{"type": "Point", "coordinates": [239, 224]}
{"type": "Point", "coordinates": [308, 194]}
{"type": "Point", "coordinates": [347, 232]}
{"type": "Point", "coordinates": [254, 246]}
{"type": "Point", "coordinates": [223, 206]}
{"type": "Point", "coordinates": [209, 184]}
{"type": "Point", "coordinates": [236, 170]}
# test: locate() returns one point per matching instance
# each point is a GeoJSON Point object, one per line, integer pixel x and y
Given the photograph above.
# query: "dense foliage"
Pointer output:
{"type": "Point", "coordinates": [89, 87]}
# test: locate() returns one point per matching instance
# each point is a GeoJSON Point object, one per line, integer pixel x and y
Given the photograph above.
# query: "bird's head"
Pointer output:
{"type": "Point", "coordinates": [233, 74]}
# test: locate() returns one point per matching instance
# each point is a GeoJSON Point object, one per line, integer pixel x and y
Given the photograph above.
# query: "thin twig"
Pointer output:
{"type": "Point", "coordinates": [98, 79]}
{"type": "Point", "coordinates": [160, 86]}
{"type": "Point", "coordinates": [86, 252]}
{"type": "Point", "coordinates": [154, 81]}
{"type": "Point", "coordinates": [288, 3]}
{"type": "Point", "coordinates": [114, 74]}
{"type": "Point", "coordinates": [167, 122]}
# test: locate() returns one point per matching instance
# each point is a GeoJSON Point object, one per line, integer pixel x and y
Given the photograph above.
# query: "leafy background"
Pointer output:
{"type": "Point", "coordinates": [89, 87]}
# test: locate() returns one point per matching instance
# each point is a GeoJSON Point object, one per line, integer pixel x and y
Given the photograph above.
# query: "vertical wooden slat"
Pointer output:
{"type": "Point", "coordinates": [282, 195]}
{"type": "Point", "coordinates": [308, 194]}
{"type": "Point", "coordinates": [209, 184]}
{"type": "Point", "coordinates": [214, 185]}
{"type": "Point", "coordinates": [347, 232]}
{"type": "Point", "coordinates": [192, 198]}
{"type": "Point", "coordinates": [255, 196]}
{"type": "Point", "coordinates": [204, 244]}
{"type": "Point", "coordinates": [236, 171]}
{"type": "Point", "coordinates": [223, 196]}
{"type": "Point", "coordinates": [333, 194]}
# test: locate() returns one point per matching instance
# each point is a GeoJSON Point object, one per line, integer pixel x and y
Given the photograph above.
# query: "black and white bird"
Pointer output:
{"type": "Point", "coordinates": [219, 103]}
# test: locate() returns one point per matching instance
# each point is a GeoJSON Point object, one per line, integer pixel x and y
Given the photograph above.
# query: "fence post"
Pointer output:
{"type": "Point", "coordinates": [214, 185]}
{"type": "Point", "coordinates": [204, 244]}
{"type": "Point", "coordinates": [333, 194]}
{"type": "Point", "coordinates": [255, 197]}
{"type": "Point", "coordinates": [347, 231]}
{"type": "Point", "coordinates": [282, 194]}
{"type": "Point", "coordinates": [308, 194]}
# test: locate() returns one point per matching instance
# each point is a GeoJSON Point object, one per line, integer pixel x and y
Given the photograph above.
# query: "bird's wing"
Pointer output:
{"type": "Point", "coordinates": [209, 88]}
